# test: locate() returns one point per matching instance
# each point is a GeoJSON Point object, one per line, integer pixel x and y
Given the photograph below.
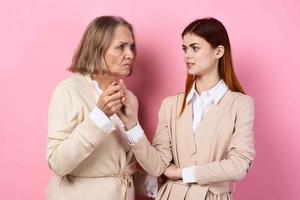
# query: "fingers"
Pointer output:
{"type": "Point", "coordinates": [123, 86]}
{"type": "Point", "coordinates": [116, 108]}
{"type": "Point", "coordinates": [110, 100]}
{"type": "Point", "coordinates": [112, 88]}
{"type": "Point", "coordinates": [114, 103]}
{"type": "Point", "coordinates": [115, 96]}
{"type": "Point", "coordinates": [112, 93]}
{"type": "Point", "coordinates": [125, 101]}
{"type": "Point", "coordinates": [113, 106]}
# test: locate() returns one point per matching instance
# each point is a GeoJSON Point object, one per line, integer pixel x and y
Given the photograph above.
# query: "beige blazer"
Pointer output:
{"type": "Point", "coordinates": [222, 147]}
{"type": "Point", "coordinates": [88, 163]}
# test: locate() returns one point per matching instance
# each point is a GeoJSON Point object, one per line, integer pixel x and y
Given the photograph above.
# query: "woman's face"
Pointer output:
{"type": "Point", "coordinates": [120, 56]}
{"type": "Point", "coordinates": [200, 57]}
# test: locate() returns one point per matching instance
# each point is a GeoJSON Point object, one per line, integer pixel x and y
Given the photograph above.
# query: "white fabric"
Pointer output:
{"type": "Point", "coordinates": [202, 103]}
{"type": "Point", "coordinates": [134, 134]}
{"type": "Point", "coordinates": [151, 186]}
{"type": "Point", "coordinates": [101, 120]}
{"type": "Point", "coordinates": [189, 174]}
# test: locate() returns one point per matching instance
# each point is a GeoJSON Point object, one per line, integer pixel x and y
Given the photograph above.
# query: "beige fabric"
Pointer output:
{"type": "Point", "coordinates": [222, 148]}
{"type": "Point", "coordinates": [88, 163]}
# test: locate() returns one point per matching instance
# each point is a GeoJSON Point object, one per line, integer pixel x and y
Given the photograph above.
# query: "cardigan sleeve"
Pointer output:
{"type": "Point", "coordinates": [71, 136]}
{"type": "Point", "coordinates": [156, 158]}
{"type": "Point", "coordinates": [241, 151]}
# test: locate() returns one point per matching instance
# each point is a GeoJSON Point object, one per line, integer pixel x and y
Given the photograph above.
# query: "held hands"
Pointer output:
{"type": "Point", "coordinates": [110, 100]}
{"type": "Point", "coordinates": [129, 111]}
{"type": "Point", "coordinates": [117, 99]}
{"type": "Point", "coordinates": [173, 172]}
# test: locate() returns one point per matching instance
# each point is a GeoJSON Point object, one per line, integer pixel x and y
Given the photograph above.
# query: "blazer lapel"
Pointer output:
{"type": "Point", "coordinates": [205, 132]}
{"type": "Point", "coordinates": [184, 131]}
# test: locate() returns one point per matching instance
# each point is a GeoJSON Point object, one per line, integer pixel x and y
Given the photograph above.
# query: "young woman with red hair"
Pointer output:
{"type": "Point", "coordinates": [204, 140]}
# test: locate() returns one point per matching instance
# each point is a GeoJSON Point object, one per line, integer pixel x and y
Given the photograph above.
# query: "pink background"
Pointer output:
{"type": "Point", "coordinates": [38, 39]}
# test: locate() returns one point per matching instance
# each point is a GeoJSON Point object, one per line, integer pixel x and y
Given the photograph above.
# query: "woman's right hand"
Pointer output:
{"type": "Point", "coordinates": [110, 101]}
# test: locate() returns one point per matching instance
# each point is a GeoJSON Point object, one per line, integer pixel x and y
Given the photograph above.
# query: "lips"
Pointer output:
{"type": "Point", "coordinates": [189, 64]}
{"type": "Point", "coordinates": [127, 64]}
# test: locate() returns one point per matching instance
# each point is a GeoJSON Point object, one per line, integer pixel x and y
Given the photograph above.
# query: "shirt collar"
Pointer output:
{"type": "Point", "coordinates": [96, 86]}
{"type": "Point", "coordinates": [215, 93]}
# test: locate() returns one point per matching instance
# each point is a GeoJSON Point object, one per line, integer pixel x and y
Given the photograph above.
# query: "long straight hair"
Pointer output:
{"type": "Point", "coordinates": [214, 32]}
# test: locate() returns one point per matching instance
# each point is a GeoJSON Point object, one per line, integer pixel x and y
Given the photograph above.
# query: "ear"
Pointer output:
{"type": "Point", "coordinates": [220, 50]}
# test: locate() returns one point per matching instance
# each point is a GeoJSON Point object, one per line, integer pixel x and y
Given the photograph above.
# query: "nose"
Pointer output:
{"type": "Point", "coordinates": [129, 53]}
{"type": "Point", "coordinates": [187, 54]}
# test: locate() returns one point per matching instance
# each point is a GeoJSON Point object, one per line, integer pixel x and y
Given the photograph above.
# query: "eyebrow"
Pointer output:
{"type": "Point", "coordinates": [191, 45]}
{"type": "Point", "coordinates": [132, 43]}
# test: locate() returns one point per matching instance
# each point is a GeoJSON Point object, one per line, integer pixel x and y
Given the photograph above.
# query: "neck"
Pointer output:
{"type": "Point", "coordinates": [204, 83]}
{"type": "Point", "coordinates": [103, 80]}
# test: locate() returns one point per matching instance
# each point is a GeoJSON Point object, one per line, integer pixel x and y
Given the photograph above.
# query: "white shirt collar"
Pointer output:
{"type": "Point", "coordinates": [98, 89]}
{"type": "Point", "coordinates": [215, 93]}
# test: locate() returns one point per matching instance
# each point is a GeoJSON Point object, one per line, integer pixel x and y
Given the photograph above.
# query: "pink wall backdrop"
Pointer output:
{"type": "Point", "coordinates": [37, 41]}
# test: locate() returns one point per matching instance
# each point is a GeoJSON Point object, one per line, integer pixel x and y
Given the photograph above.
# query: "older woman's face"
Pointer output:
{"type": "Point", "coordinates": [120, 56]}
{"type": "Point", "coordinates": [199, 56]}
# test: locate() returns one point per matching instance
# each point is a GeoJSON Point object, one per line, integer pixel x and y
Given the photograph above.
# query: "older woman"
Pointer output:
{"type": "Point", "coordinates": [204, 139]}
{"type": "Point", "coordinates": [85, 144]}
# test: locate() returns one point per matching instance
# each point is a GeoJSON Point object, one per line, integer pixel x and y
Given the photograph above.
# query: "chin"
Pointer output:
{"type": "Point", "coordinates": [126, 72]}
{"type": "Point", "coordinates": [192, 72]}
{"type": "Point", "coordinates": [197, 72]}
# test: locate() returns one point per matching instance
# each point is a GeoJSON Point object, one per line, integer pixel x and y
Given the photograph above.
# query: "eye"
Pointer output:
{"type": "Point", "coordinates": [184, 49]}
{"type": "Point", "coordinates": [195, 48]}
{"type": "Point", "coordinates": [120, 47]}
{"type": "Point", "coordinates": [132, 47]}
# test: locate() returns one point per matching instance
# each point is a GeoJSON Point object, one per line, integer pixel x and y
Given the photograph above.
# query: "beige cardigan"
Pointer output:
{"type": "Point", "coordinates": [222, 147]}
{"type": "Point", "coordinates": [88, 163]}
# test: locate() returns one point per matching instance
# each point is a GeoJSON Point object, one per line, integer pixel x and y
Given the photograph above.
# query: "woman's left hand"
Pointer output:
{"type": "Point", "coordinates": [173, 172]}
{"type": "Point", "coordinates": [129, 112]}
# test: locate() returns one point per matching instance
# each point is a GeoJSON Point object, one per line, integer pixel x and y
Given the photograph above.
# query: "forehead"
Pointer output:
{"type": "Point", "coordinates": [191, 38]}
{"type": "Point", "coordinates": [123, 34]}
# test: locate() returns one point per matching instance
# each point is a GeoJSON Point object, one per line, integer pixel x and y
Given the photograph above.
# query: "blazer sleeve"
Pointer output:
{"type": "Point", "coordinates": [241, 151]}
{"type": "Point", "coordinates": [155, 158]}
{"type": "Point", "coordinates": [71, 136]}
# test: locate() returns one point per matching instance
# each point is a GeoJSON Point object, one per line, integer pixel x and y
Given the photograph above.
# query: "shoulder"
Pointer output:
{"type": "Point", "coordinates": [242, 102]}
{"type": "Point", "coordinates": [72, 85]}
{"type": "Point", "coordinates": [170, 103]}
{"type": "Point", "coordinates": [69, 90]}
{"type": "Point", "coordinates": [173, 99]}
{"type": "Point", "coordinates": [241, 98]}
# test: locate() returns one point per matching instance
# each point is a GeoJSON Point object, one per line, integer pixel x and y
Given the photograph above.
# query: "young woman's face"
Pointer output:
{"type": "Point", "coordinates": [200, 57]}
{"type": "Point", "coordinates": [120, 56]}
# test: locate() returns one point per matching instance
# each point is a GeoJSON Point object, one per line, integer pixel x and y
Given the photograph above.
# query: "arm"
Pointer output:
{"type": "Point", "coordinates": [72, 137]}
{"type": "Point", "coordinates": [154, 158]}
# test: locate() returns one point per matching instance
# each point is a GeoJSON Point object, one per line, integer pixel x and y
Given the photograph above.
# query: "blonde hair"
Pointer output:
{"type": "Point", "coordinates": [89, 56]}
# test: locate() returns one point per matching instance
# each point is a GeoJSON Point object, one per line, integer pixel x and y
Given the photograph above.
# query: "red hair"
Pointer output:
{"type": "Point", "coordinates": [214, 32]}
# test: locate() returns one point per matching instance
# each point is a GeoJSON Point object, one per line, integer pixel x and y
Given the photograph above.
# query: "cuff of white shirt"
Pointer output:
{"type": "Point", "coordinates": [134, 134]}
{"type": "Point", "coordinates": [189, 174]}
{"type": "Point", "coordinates": [101, 120]}
{"type": "Point", "coordinates": [151, 186]}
